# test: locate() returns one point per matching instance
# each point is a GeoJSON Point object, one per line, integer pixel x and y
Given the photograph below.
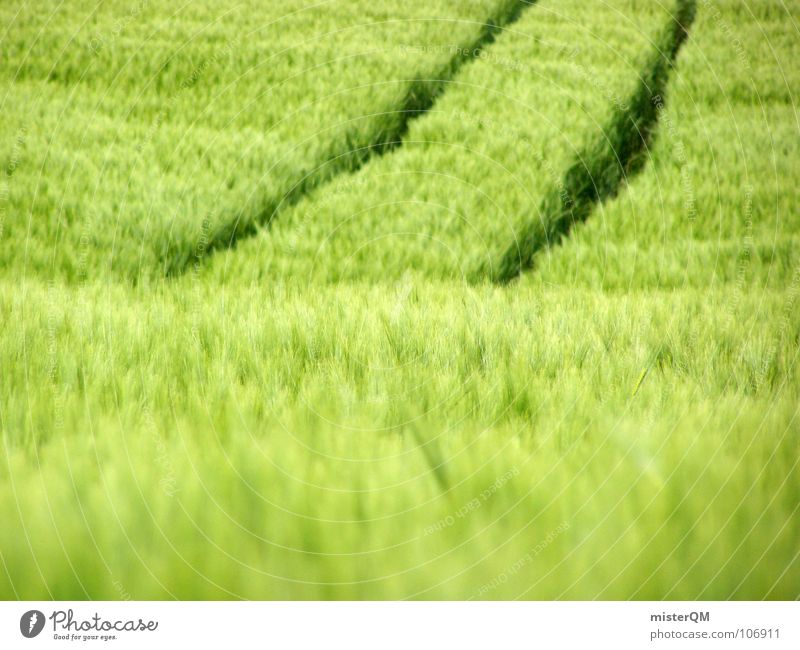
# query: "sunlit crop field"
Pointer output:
{"type": "Point", "coordinates": [485, 299]}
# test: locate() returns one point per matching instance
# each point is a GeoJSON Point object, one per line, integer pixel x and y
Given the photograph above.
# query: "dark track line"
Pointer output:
{"type": "Point", "coordinates": [600, 171]}
{"type": "Point", "coordinates": [420, 97]}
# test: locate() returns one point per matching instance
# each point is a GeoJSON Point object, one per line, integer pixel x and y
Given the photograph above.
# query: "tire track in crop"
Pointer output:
{"type": "Point", "coordinates": [421, 95]}
{"type": "Point", "coordinates": [600, 171]}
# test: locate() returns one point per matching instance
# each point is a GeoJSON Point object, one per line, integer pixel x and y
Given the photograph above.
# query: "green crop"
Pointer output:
{"type": "Point", "coordinates": [470, 300]}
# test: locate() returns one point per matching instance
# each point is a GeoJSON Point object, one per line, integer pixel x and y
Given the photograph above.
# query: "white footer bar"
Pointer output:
{"type": "Point", "coordinates": [390, 625]}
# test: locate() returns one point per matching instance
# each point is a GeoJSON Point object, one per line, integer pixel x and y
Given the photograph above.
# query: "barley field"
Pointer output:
{"type": "Point", "coordinates": [488, 299]}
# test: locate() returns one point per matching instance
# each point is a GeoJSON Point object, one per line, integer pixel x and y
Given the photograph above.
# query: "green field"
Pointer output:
{"type": "Point", "coordinates": [487, 299]}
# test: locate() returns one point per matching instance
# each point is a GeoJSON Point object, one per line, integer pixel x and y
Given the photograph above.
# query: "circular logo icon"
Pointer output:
{"type": "Point", "coordinates": [31, 623]}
